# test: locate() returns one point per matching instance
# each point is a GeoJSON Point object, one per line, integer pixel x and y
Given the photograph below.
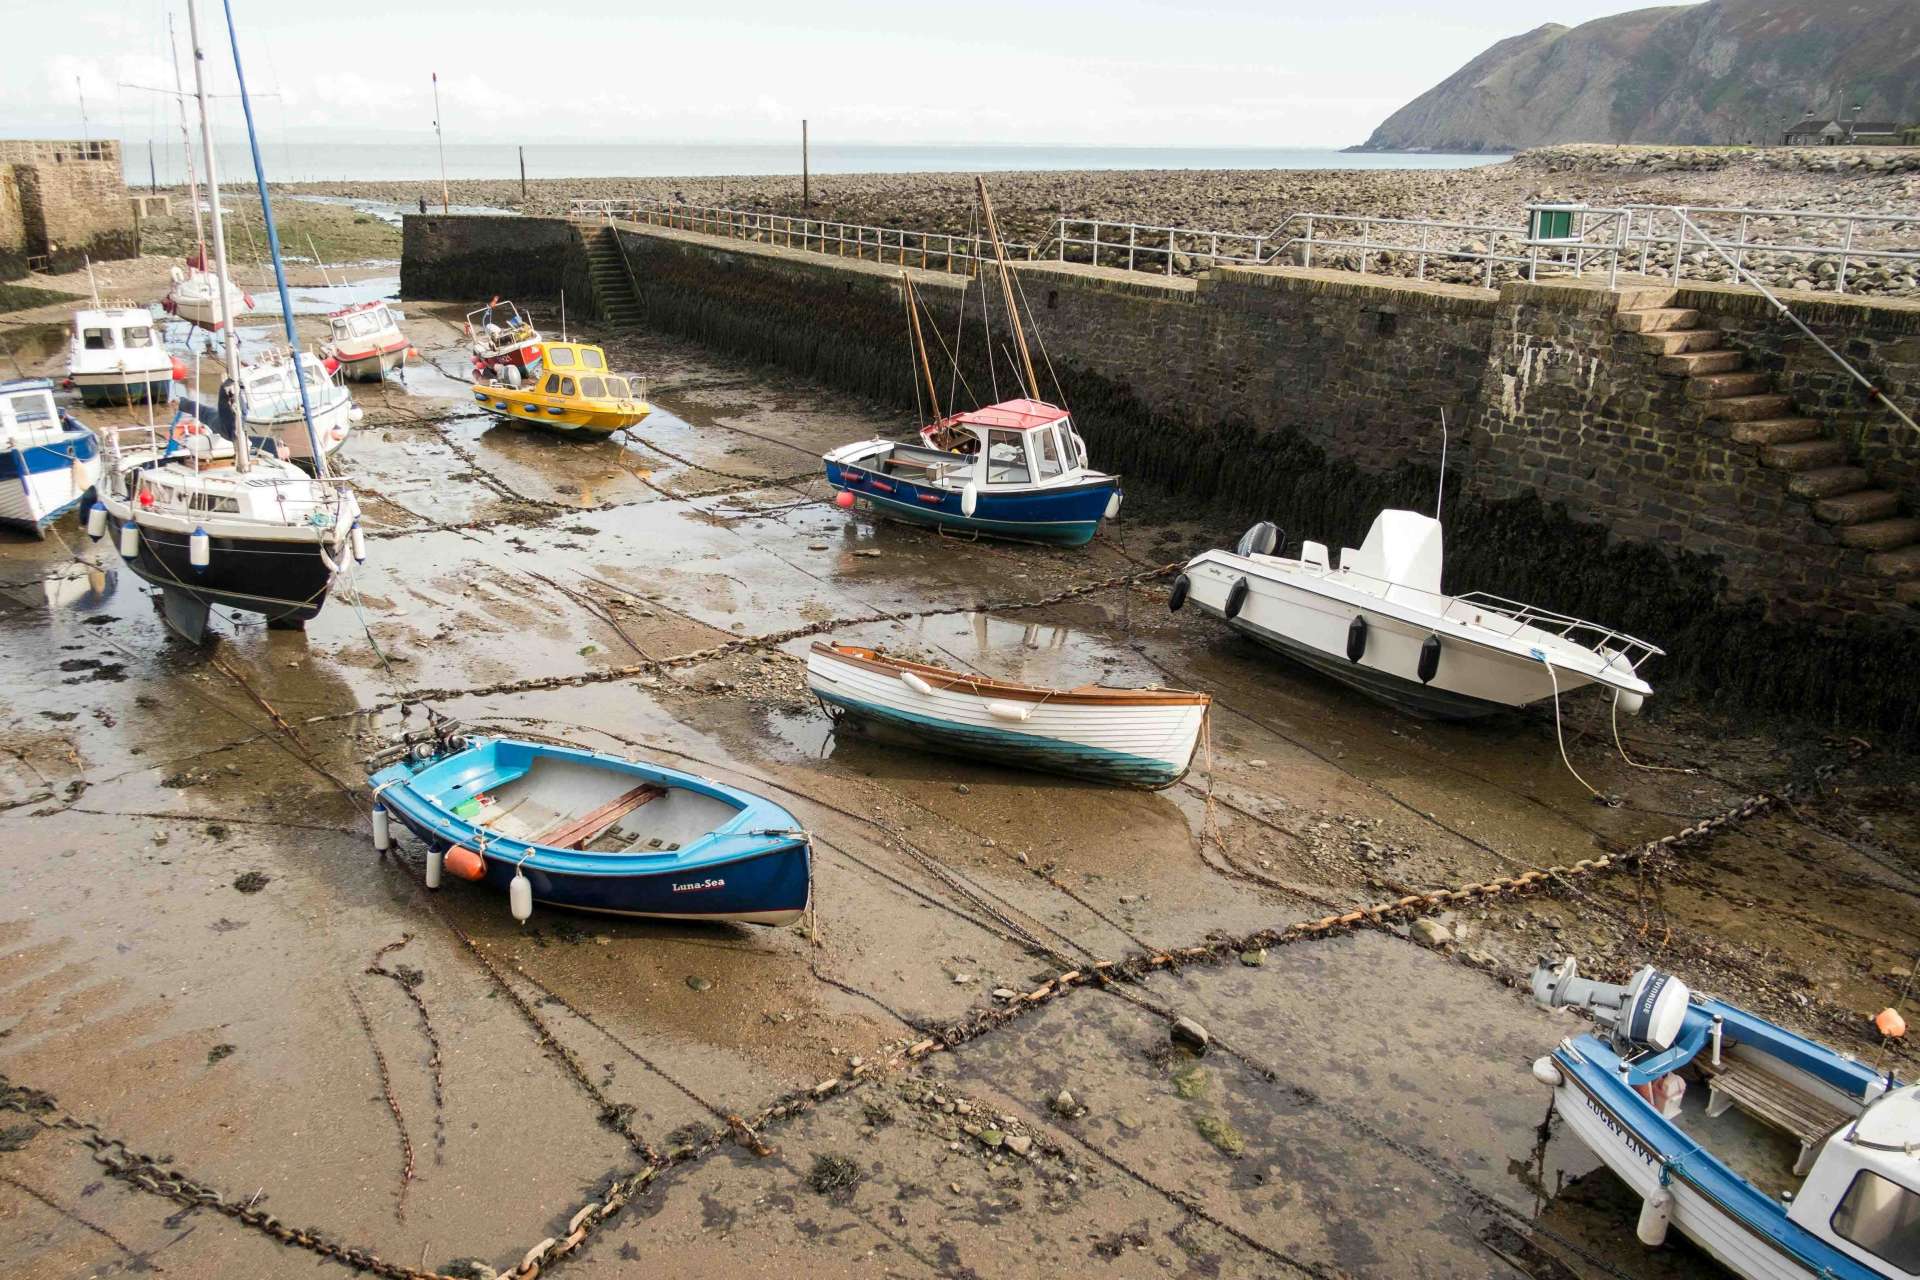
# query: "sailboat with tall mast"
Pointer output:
{"type": "Point", "coordinates": [218, 517]}
{"type": "Point", "coordinates": [1016, 470]}
{"type": "Point", "coordinates": [197, 296]}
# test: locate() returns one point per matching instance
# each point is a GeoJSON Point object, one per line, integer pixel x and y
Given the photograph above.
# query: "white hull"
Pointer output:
{"type": "Point", "coordinates": [1148, 745]}
{"type": "Point", "coordinates": [42, 496]}
{"type": "Point", "coordinates": [332, 424]}
{"type": "Point", "coordinates": [195, 300]}
{"type": "Point", "coordinates": [1732, 1245]}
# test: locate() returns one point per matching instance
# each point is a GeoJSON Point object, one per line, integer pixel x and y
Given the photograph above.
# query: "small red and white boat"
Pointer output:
{"type": "Point", "coordinates": [197, 297]}
{"type": "Point", "coordinates": [366, 342]}
{"type": "Point", "coordinates": [506, 346]}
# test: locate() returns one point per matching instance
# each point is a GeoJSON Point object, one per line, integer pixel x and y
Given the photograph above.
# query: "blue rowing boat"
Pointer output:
{"type": "Point", "coordinates": [593, 832]}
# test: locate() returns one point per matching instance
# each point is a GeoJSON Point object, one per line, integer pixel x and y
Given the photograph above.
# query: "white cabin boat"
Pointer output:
{"type": "Point", "coordinates": [1131, 737]}
{"type": "Point", "coordinates": [48, 460]}
{"type": "Point", "coordinates": [116, 357]}
{"type": "Point", "coordinates": [1785, 1160]}
{"type": "Point", "coordinates": [366, 342]}
{"type": "Point", "coordinates": [270, 404]}
{"type": "Point", "coordinates": [1379, 622]}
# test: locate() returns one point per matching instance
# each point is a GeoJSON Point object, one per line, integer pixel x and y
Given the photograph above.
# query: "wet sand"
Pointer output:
{"type": "Point", "coordinates": [195, 905]}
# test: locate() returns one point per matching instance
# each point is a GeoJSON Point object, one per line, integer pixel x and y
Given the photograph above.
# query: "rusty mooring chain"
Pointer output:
{"type": "Point", "coordinates": [393, 1103]}
{"type": "Point", "coordinates": [408, 979]}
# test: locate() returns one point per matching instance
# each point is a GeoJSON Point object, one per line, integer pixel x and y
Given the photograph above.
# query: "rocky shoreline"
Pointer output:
{"type": "Point", "coordinates": [1866, 179]}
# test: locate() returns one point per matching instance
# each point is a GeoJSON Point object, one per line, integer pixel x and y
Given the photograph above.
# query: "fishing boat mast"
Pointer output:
{"type": "Point", "coordinates": [1006, 291]}
{"type": "Point", "coordinates": [241, 461]}
{"type": "Point", "coordinates": [186, 141]}
{"type": "Point", "coordinates": [273, 247]}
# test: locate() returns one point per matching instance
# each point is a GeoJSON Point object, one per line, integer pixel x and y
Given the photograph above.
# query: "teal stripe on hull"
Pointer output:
{"type": "Point", "coordinates": [1015, 750]}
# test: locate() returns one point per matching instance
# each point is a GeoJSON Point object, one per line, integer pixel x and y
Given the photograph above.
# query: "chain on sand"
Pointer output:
{"type": "Point", "coordinates": [144, 1172]}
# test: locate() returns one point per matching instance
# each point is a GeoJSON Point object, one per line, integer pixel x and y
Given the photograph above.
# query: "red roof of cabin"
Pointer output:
{"type": "Point", "coordinates": [1010, 415]}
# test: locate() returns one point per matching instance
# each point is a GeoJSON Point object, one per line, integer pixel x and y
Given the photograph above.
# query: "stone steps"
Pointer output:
{"type": "Point", "coordinates": [1903, 563]}
{"type": "Point", "coordinates": [1727, 386]}
{"type": "Point", "coordinates": [1691, 364]}
{"type": "Point", "coordinates": [1862, 506]}
{"type": "Point", "coordinates": [1804, 455]}
{"type": "Point", "coordinates": [1882, 535]}
{"type": "Point", "coordinates": [1654, 319]}
{"type": "Point", "coordinates": [1776, 431]}
{"type": "Point", "coordinates": [1749, 408]}
{"type": "Point", "coordinates": [1828, 482]}
{"type": "Point", "coordinates": [1673, 342]}
{"type": "Point", "coordinates": [612, 285]}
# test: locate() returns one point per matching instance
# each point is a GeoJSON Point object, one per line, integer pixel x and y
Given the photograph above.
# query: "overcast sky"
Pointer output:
{"type": "Point", "coordinates": [1146, 72]}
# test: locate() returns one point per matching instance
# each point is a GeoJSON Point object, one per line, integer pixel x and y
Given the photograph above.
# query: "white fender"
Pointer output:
{"type": "Point", "coordinates": [1547, 1072]}
{"type": "Point", "coordinates": [1015, 711]}
{"type": "Point", "coordinates": [915, 683]}
{"type": "Point", "coordinates": [129, 539]}
{"type": "Point", "coordinates": [357, 538]}
{"type": "Point", "coordinates": [1629, 701]}
{"type": "Point", "coordinates": [1656, 1211]}
{"type": "Point", "coordinates": [381, 840]}
{"type": "Point", "coordinates": [199, 548]}
{"type": "Point", "coordinates": [97, 521]}
{"type": "Point", "coordinates": [77, 470]}
{"type": "Point", "coordinates": [436, 859]}
{"type": "Point", "coordinates": [969, 499]}
{"type": "Point", "coordinates": [520, 897]}
{"type": "Point", "coordinates": [1113, 505]}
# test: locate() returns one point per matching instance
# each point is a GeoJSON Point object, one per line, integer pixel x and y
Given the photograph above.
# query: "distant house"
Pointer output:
{"type": "Point", "coordinates": [1813, 132]}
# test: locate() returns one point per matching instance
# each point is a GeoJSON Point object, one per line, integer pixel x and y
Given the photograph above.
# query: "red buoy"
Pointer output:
{"type": "Point", "coordinates": [843, 500]}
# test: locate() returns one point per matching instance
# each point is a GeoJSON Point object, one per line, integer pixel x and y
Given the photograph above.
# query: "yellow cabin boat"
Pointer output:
{"type": "Point", "coordinates": [570, 390]}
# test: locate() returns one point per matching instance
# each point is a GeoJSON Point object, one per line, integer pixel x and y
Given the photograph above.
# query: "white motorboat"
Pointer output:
{"type": "Point", "coordinates": [1132, 737]}
{"type": "Point", "coordinates": [1379, 622]}
{"type": "Point", "coordinates": [48, 461]}
{"type": "Point", "coordinates": [270, 405]}
{"type": "Point", "coordinates": [1798, 1163]}
{"type": "Point", "coordinates": [366, 342]}
{"type": "Point", "coordinates": [116, 357]}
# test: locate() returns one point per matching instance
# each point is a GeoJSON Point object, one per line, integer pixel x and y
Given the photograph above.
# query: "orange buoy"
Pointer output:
{"type": "Point", "coordinates": [465, 863]}
{"type": "Point", "coordinates": [1890, 1024]}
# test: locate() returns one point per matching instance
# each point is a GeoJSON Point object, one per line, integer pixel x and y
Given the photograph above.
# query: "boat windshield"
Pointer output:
{"type": "Point", "coordinates": [27, 409]}
{"type": "Point", "coordinates": [1882, 1217]}
{"type": "Point", "coordinates": [1006, 458]}
{"type": "Point", "coordinates": [593, 388]}
{"type": "Point", "coordinates": [617, 387]}
{"type": "Point", "coordinates": [96, 339]}
{"type": "Point", "coordinates": [1047, 456]}
{"type": "Point", "coordinates": [591, 358]}
{"type": "Point", "coordinates": [137, 336]}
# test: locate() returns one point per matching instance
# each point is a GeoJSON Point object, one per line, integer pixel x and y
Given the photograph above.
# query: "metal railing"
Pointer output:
{"type": "Point", "coordinates": [1679, 242]}
{"type": "Point", "coordinates": [931, 249]}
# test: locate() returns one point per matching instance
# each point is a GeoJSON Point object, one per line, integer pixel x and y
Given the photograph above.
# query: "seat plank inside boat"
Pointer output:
{"type": "Point", "coordinates": [579, 805]}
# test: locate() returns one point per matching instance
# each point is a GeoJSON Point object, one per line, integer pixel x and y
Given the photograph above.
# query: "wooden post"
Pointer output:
{"type": "Point", "coordinates": [806, 173]}
{"type": "Point", "coordinates": [523, 175]}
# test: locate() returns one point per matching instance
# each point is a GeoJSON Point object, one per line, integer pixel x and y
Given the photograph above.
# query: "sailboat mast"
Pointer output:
{"type": "Point", "coordinates": [186, 143]}
{"type": "Point", "coordinates": [220, 286]}
{"type": "Point", "coordinates": [273, 248]}
{"type": "Point", "coordinates": [920, 345]}
{"type": "Point", "coordinates": [1006, 290]}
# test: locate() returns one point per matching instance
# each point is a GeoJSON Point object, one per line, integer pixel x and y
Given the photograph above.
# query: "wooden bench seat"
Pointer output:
{"type": "Point", "coordinates": [1773, 1102]}
{"type": "Point", "coordinates": [576, 832]}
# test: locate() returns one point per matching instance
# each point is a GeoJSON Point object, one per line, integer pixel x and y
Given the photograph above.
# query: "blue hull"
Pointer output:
{"type": "Point", "coordinates": [756, 866]}
{"type": "Point", "coordinates": [58, 455]}
{"type": "Point", "coordinates": [1067, 517]}
{"type": "Point", "coordinates": [1010, 749]}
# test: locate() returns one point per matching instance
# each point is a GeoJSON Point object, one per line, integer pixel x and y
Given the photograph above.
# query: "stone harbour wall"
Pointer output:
{"type": "Point", "coordinates": [1579, 475]}
{"type": "Point", "coordinates": [463, 256]}
{"type": "Point", "coordinates": [73, 202]}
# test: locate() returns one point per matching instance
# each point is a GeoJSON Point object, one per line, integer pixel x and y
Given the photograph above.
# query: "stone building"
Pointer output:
{"type": "Point", "coordinates": [63, 202]}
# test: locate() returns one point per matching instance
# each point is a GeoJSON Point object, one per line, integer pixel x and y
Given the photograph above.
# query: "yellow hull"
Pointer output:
{"type": "Point", "coordinates": [525, 407]}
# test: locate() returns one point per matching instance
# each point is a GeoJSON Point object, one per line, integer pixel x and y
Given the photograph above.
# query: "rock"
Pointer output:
{"type": "Point", "coordinates": [1019, 1143]}
{"type": "Point", "coordinates": [869, 552]}
{"type": "Point", "coordinates": [1187, 1032]}
{"type": "Point", "coordinates": [991, 1138]}
{"type": "Point", "coordinates": [1431, 933]}
{"type": "Point", "coordinates": [700, 984]}
{"type": "Point", "coordinates": [1064, 1103]}
{"type": "Point", "coordinates": [1255, 958]}
{"type": "Point", "coordinates": [962, 979]}
{"type": "Point", "coordinates": [1217, 1130]}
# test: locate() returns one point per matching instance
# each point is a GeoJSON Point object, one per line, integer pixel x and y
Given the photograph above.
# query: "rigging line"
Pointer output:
{"type": "Point", "coordinates": [1038, 337]}
{"type": "Point", "coordinates": [913, 350]}
{"type": "Point", "coordinates": [953, 357]}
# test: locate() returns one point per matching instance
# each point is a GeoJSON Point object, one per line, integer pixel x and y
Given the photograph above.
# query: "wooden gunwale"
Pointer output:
{"type": "Point", "coordinates": [986, 687]}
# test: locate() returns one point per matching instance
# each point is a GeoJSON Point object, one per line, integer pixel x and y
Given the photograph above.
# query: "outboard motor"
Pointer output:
{"type": "Point", "coordinates": [1646, 1014]}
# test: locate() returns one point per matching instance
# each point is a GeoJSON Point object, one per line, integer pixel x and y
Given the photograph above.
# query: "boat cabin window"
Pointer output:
{"type": "Point", "coordinates": [1006, 458]}
{"type": "Point", "coordinates": [553, 384]}
{"type": "Point", "coordinates": [566, 386]}
{"type": "Point", "coordinates": [592, 359]}
{"type": "Point", "coordinates": [216, 503]}
{"type": "Point", "coordinates": [1882, 1217]}
{"type": "Point", "coordinates": [29, 409]}
{"type": "Point", "coordinates": [1048, 456]}
{"type": "Point", "coordinates": [594, 388]}
{"type": "Point", "coordinates": [617, 387]}
{"type": "Point", "coordinates": [97, 339]}
{"type": "Point", "coordinates": [139, 336]}
{"type": "Point", "coordinates": [560, 356]}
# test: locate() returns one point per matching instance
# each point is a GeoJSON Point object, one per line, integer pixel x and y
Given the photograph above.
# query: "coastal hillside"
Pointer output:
{"type": "Point", "coordinates": [1727, 71]}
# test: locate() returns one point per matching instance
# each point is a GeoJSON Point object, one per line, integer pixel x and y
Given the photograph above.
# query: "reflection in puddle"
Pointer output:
{"type": "Point", "coordinates": [79, 586]}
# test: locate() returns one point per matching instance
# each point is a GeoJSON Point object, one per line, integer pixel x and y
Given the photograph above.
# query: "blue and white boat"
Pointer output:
{"type": "Point", "coordinates": [1015, 470]}
{"type": "Point", "coordinates": [593, 832]}
{"type": "Point", "coordinates": [48, 460]}
{"type": "Point", "coordinates": [1799, 1162]}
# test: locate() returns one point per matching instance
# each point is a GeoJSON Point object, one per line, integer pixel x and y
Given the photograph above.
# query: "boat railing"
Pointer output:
{"type": "Point", "coordinates": [1614, 645]}
{"type": "Point", "coordinates": [933, 250]}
